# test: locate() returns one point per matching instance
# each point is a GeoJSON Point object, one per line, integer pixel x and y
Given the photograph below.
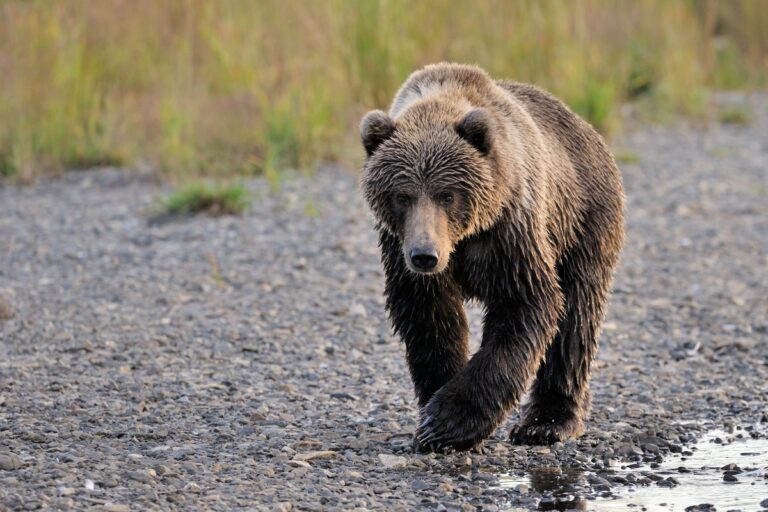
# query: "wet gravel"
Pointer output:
{"type": "Point", "coordinates": [219, 363]}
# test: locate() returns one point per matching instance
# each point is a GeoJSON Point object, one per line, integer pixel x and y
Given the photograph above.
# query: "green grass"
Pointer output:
{"type": "Point", "coordinates": [237, 87]}
{"type": "Point", "coordinates": [207, 198]}
{"type": "Point", "coordinates": [596, 105]}
{"type": "Point", "coordinates": [735, 115]}
{"type": "Point", "coordinates": [627, 157]}
{"type": "Point", "coordinates": [7, 167]}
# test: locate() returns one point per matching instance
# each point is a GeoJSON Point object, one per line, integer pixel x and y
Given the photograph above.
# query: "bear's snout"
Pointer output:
{"type": "Point", "coordinates": [426, 241]}
{"type": "Point", "coordinates": [423, 259]}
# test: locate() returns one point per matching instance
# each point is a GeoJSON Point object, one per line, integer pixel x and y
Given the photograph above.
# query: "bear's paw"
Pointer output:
{"type": "Point", "coordinates": [543, 425]}
{"type": "Point", "coordinates": [451, 423]}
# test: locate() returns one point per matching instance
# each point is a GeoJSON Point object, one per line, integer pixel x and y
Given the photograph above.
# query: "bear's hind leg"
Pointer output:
{"type": "Point", "coordinates": [560, 400]}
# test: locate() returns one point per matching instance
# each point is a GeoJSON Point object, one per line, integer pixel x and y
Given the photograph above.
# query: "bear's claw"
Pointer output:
{"type": "Point", "coordinates": [449, 426]}
{"type": "Point", "coordinates": [548, 419]}
{"type": "Point", "coordinates": [546, 433]}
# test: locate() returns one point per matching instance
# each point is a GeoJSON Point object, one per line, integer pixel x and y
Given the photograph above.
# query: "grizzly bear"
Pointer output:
{"type": "Point", "coordinates": [493, 191]}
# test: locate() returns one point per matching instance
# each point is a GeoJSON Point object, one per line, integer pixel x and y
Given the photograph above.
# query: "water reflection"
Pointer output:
{"type": "Point", "coordinates": [722, 471]}
{"type": "Point", "coordinates": [563, 488]}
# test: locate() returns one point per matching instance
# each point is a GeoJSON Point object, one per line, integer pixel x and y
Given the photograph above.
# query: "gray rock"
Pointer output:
{"type": "Point", "coordinates": [139, 476]}
{"type": "Point", "coordinates": [6, 313]}
{"type": "Point", "coordinates": [9, 461]}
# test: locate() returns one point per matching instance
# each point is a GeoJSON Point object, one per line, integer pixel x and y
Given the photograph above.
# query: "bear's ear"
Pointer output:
{"type": "Point", "coordinates": [375, 128]}
{"type": "Point", "coordinates": [475, 128]}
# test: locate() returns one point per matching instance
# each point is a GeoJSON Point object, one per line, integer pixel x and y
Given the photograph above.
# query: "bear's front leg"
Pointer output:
{"type": "Point", "coordinates": [470, 407]}
{"type": "Point", "coordinates": [428, 314]}
{"type": "Point", "coordinates": [467, 409]}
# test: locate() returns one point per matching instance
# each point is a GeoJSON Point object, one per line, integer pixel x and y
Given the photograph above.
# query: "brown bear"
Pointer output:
{"type": "Point", "coordinates": [493, 191]}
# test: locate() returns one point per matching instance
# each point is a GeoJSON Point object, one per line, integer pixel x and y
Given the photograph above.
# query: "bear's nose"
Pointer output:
{"type": "Point", "coordinates": [424, 259]}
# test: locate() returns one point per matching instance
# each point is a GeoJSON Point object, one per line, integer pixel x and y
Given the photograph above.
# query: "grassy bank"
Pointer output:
{"type": "Point", "coordinates": [242, 86]}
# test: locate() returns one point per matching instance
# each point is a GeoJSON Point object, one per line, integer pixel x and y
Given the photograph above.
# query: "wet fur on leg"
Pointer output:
{"type": "Point", "coordinates": [453, 423]}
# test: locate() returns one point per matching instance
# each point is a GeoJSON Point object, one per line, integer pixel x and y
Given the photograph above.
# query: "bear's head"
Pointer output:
{"type": "Point", "coordinates": [430, 178]}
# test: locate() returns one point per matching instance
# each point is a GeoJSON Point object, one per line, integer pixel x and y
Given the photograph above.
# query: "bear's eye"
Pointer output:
{"type": "Point", "coordinates": [402, 200]}
{"type": "Point", "coordinates": [445, 199]}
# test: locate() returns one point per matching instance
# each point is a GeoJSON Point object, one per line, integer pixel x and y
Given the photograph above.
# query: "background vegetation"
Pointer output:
{"type": "Point", "coordinates": [241, 86]}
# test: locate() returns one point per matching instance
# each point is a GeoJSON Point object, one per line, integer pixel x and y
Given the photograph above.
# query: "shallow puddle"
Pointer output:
{"type": "Point", "coordinates": [700, 478]}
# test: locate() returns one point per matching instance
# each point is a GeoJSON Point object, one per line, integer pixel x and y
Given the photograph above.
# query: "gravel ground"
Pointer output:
{"type": "Point", "coordinates": [218, 363]}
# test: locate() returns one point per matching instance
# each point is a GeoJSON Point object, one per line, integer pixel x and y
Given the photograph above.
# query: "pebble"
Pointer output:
{"type": "Point", "coordinates": [176, 498]}
{"type": "Point", "coordinates": [6, 313]}
{"type": "Point", "coordinates": [344, 396]}
{"type": "Point", "coordinates": [116, 507]}
{"type": "Point", "coordinates": [599, 481]}
{"type": "Point", "coordinates": [307, 456]}
{"type": "Point", "coordinates": [139, 476]}
{"type": "Point", "coordinates": [192, 487]}
{"type": "Point", "coordinates": [358, 310]}
{"type": "Point", "coordinates": [500, 449]}
{"type": "Point", "coordinates": [162, 470]}
{"type": "Point", "coordinates": [109, 482]}
{"type": "Point", "coordinates": [9, 461]}
{"type": "Point", "coordinates": [668, 482]}
{"type": "Point", "coordinates": [392, 461]}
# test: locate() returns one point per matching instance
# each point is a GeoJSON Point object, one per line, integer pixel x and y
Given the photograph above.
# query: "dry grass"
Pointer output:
{"type": "Point", "coordinates": [238, 87]}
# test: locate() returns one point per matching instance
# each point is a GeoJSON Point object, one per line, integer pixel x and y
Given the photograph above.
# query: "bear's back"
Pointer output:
{"type": "Point", "coordinates": [585, 147]}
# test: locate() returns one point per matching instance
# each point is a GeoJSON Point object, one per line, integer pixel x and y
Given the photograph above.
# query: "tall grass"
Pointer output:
{"type": "Point", "coordinates": [244, 86]}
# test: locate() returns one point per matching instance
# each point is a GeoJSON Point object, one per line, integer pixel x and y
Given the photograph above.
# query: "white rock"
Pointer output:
{"type": "Point", "coordinates": [192, 487]}
{"type": "Point", "coordinates": [393, 461]}
{"type": "Point", "coordinates": [324, 454]}
{"type": "Point", "coordinates": [117, 507]}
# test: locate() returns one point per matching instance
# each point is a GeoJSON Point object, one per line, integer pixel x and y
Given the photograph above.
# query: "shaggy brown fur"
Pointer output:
{"type": "Point", "coordinates": [493, 191]}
